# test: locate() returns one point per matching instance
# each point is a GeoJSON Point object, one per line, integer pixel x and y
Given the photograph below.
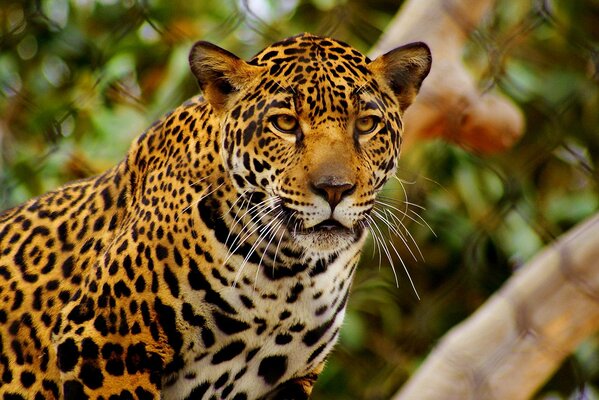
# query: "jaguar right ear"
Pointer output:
{"type": "Point", "coordinates": [404, 69]}
{"type": "Point", "coordinates": [219, 72]}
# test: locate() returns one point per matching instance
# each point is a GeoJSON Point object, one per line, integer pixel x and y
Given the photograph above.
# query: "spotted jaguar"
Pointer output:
{"type": "Point", "coordinates": [215, 260]}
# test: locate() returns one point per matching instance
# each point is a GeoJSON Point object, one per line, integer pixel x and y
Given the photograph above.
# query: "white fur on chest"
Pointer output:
{"type": "Point", "coordinates": [276, 317]}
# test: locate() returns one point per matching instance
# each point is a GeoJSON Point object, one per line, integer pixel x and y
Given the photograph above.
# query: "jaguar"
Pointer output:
{"type": "Point", "coordinates": [216, 259]}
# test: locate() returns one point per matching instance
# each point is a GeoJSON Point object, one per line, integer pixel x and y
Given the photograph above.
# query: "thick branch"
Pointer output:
{"type": "Point", "coordinates": [516, 340]}
{"type": "Point", "coordinates": [449, 104]}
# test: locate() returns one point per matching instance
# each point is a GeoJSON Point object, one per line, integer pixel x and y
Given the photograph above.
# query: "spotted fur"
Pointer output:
{"type": "Point", "coordinates": [215, 260]}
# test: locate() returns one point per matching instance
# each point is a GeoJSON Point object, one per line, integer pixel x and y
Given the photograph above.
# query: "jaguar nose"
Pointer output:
{"type": "Point", "coordinates": [333, 190]}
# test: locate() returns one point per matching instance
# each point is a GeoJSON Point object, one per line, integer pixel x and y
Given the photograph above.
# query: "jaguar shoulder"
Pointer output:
{"type": "Point", "coordinates": [215, 260]}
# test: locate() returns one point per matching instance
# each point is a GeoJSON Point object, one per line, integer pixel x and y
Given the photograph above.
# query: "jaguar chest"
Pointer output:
{"type": "Point", "coordinates": [280, 329]}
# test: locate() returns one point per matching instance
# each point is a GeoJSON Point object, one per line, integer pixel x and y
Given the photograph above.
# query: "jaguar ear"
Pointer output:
{"type": "Point", "coordinates": [219, 72]}
{"type": "Point", "coordinates": [404, 69]}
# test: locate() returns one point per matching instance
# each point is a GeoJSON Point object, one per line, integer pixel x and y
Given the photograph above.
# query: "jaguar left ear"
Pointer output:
{"type": "Point", "coordinates": [404, 69]}
{"type": "Point", "coordinates": [219, 72]}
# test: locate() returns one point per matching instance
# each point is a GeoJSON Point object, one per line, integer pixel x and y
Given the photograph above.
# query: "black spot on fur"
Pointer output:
{"type": "Point", "coordinates": [190, 316]}
{"type": "Point", "coordinates": [113, 354]}
{"type": "Point", "coordinates": [107, 199]}
{"type": "Point", "coordinates": [27, 379]}
{"type": "Point", "coordinates": [73, 390]}
{"type": "Point", "coordinates": [67, 267]}
{"type": "Point", "coordinates": [171, 281]}
{"type": "Point", "coordinates": [121, 289]}
{"type": "Point", "coordinates": [68, 355]}
{"type": "Point", "coordinates": [247, 302]}
{"type": "Point", "coordinates": [207, 337]}
{"type": "Point", "coordinates": [294, 293]}
{"type": "Point", "coordinates": [124, 395]}
{"type": "Point", "coordinates": [82, 312]}
{"type": "Point", "coordinates": [229, 325]}
{"type": "Point", "coordinates": [198, 281]}
{"type": "Point", "coordinates": [12, 396]}
{"type": "Point", "coordinates": [50, 386]}
{"type": "Point", "coordinates": [89, 349]}
{"type": "Point", "coordinates": [168, 322]}
{"type": "Point", "coordinates": [283, 338]}
{"type": "Point", "coordinates": [228, 352]}
{"type": "Point", "coordinates": [91, 376]}
{"type": "Point", "coordinates": [18, 300]}
{"type": "Point", "coordinates": [317, 352]}
{"type": "Point", "coordinates": [272, 368]}
{"type": "Point", "coordinates": [221, 380]}
{"type": "Point", "coordinates": [161, 252]}
{"type": "Point", "coordinates": [143, 394]}
{"type": "Point", "coordinates": [313, 336]}
{"type": "Point", "coordinates": [198, 392]}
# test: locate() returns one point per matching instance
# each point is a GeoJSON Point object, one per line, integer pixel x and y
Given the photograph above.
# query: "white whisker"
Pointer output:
{"type": "Point", "coordinates": [392, 228]}
{"type": "Point", "coordinates": [278, 226]}
{"type": "Point", "coordinates": [264, 231]}
{"type": "Point", "coordinates": [384, 247]}
{"type": "Point", "coordinates": [405, 229]}
{"type": "Point", "coordinates": [238, 220]}
{"type": "Point", "coordinates": [200, 180]}
{"type": "Point", "coordinates": [279, 244]}
{"type": "Point", "coordinates": [405, 269]}
{"type": "Point", "coordinates": [241, 196]}
{"type": "Point", "coordinates": [377, 247]}
{"type": "Point", "coordinates": [416, 219]}
{"type": "Point", "coordinates": [255, 225]}
{"type": "Point", "coordinates": [196, 202]}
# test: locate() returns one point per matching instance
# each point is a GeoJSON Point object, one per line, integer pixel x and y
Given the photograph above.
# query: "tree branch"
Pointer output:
{"type": "Point", "coordinates": [517, 339]}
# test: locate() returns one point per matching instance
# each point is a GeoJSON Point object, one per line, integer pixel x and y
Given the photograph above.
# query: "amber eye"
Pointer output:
{"type": "Point", "coordinates": [285, 123]}
{"type": "Point", "coordinates": [366, 124]}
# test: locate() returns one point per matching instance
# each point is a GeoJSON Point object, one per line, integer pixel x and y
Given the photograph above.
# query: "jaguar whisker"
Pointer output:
{"type": "Point", "coordinates": [252, 222]}
{"type": "Point", "coordinates": [196, 202]}
{"type": "Point", "coordinates": [278, 227]}
{"type": "Point", "coordinates": [384, 246]}
{"type": "Point", "coordinates": [398, 256]}
{"type": "Point", "coordinates": [241, 196]}
{"type": "Point", "coordinates": [391, 228]}
{"type": "Point", "coordinates": [262, 234]}
{"type": "Point", "coordinates": [236, 221]}
{"type": "Point", "coordinates": [281, 239]}
{"type": "Point", "coordinates": [255, 224]}
{"type": "Point", "coordinates": [399, 224]}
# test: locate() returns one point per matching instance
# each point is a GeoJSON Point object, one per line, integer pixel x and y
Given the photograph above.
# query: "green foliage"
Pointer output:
{"type": "Point", "coordinates": [79, 79]}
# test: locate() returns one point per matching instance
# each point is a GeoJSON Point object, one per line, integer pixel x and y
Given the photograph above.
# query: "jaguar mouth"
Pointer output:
{"type": "Point", "coordinates": [325, 229]}
{"type": "Point", "coordinates": [330, 225]}
{"type": "Point", "coordinates": [328, 228]}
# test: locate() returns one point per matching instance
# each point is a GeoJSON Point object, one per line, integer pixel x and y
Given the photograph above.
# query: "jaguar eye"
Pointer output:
{"type": "Point", "coordinates": [366, 125]}
{"type": "Point", "coordinates": [285, 123]}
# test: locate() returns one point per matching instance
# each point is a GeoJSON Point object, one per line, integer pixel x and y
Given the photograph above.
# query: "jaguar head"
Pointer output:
{"type": "Point", "coordinates": [313, 125]}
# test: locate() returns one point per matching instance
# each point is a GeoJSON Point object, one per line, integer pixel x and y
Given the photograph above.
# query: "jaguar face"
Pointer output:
{"type": "Point", "coordinates": [314, 126]}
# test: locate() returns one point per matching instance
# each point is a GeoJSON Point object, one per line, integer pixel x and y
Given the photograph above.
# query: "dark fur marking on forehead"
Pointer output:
{"type": "Point", "coordinates": [305, 43]}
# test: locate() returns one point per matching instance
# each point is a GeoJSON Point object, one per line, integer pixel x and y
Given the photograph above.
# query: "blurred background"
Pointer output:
{"type": "Point", "coordinates": [80, 79]}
